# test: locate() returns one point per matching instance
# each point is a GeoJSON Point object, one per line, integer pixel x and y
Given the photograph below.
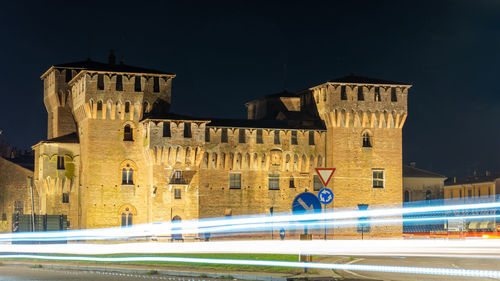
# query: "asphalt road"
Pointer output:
{"type": "Point", "coordinates": [15, 273]}
{"type": "Point", "coordinates": [456, 263]}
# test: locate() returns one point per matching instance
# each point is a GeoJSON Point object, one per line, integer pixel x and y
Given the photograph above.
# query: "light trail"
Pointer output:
{"type": "Point", "coordinates": [356, 267]}
{"type": "Point", "coordinates": [248, 228]}
{"type": "Point", "coordinates": [168, 228]}
{"type": "Point", "coordinates": [429, 248]}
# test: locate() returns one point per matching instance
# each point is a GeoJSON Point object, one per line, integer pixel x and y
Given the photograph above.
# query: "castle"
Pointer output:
{"type": "Point", "coordinates": [116, 155]}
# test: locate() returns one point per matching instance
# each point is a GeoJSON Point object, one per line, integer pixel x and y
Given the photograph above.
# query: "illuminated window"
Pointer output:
{"type": "Point", "coordinates": [119, 83]}
{"type": "Point", "coordinates": [156, 84]}
{"type": "Point", "coordinates": [361, 96]}
{"type": "Point", "coordinates": [293, 140]}
{"type": "Point", "coordinates": [137, 84]}
{"type": "Point", "coordinates": [65, 197]}
{"type": "Point", "coordinates": [127, 133]}
{"type": "Point", "coordinates": [274, 182]}
{"type": "Point", "coordinates": [317, 184]}
{"type": "Point", "coordinates": [377, 96]}
{"type": "Point", "coordinates": [223, 135]}
{"type": "Point", "coordinates": [235, 181]}
{"type": "Point", "coordinates": [177, 193]}
{"type": "Point", "coordinates": [241, 137]}
{"type": "Point", "coordinates": [259, 136]}
{"type": "Point", "coordinates": [343, 94]}
{"type": "Point", "coordinates": [127, 175]}
{"type": "Point", "coordinates": [367, 140]}
{"type": "Point", "coordinates": [166, 129]}
{"type": "Point", "coordinates": [378, 178]}
{"type": "Point", "coordinates": [60, 162]}
{"type": "Point", "coordinates": [100, 81]}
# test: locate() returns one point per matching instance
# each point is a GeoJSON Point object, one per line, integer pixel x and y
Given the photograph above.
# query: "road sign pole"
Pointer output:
{"type": "Point", "coordinates": [324, 213]}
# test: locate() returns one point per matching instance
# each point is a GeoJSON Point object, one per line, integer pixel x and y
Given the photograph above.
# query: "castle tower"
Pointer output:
{"type": "Point", "coordinates": [108, 101]}
{"type": "Point", "coordinates": [364, 119]}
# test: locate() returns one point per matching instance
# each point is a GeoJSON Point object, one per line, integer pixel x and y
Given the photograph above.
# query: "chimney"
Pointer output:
{"type": "Point", "coordinates": [111, 58]}
{"type": "Point", "coordinates": [413, 164]}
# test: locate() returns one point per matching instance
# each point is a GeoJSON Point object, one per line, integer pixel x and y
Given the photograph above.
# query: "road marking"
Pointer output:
{"type": "Point", "coordinates": [356, 274]}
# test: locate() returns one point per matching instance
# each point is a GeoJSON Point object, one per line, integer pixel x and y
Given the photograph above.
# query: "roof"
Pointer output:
{"type": "Point", "coordinates": [412, 172]}
{"type": "Point", "coordinates": [284, 94]}
{"type": "Point", "coordinates": [100, 66]}
{"type": "Point", "coordinates": [473, 179]}
{"type": "Point", "coordinates": [244, 123]}
{"type": "Point", "coordinates": [354, 79]}
{"type": "Point", "coordinates": [69, 138]}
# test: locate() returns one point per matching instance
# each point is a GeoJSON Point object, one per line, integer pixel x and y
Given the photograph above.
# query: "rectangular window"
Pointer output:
{"type": "Point", "coordinates": [311, 138]}
{"type": "Point", "coordinates": [361, 96]}
{"type": "Point", "coordinates": [207, 134]}
{"type": "Point", "coordinates": [137, 84]}
{"type": "Point", "coordinates": [60, 162]}
{"type": "Point", "coordinates": [292, 182]}
{"type": "Point", "coordinates": [378, 178]}
{"type": "Point", "coordinates": [177, 177]}
{"type": "Point", "coordinates": [223, 135]}
{"type": "Point", "coordinates": [363, 224]}
{"type": "Point", "coordinates": [317, 184]}
{"type": "Point", "coordinates": [293, 140]}
{"type": "Point", "coordinates": [166, 130]}
{"type": "Point", "coordinates": [274, 182]}
{"type": "Point", "coordinates": [343, 94]}
{"type": "Point", "coordinates": [277, 137]}
{"type": "Point", "coordinates": [259, 136]}
{"type": "Point", "coordinates": [156, 84]}
{"type": "Point", "coordinates": [119, 83]}
{"type": "Point", "coordinates": [100, 81]}
{"type": "Point", "coordinates": [394, 97]}
{"type": "Point", "coordinates": [69, 75]}
{"type": "Point", "coordinates": [241, 137]}
{"type": "Point", "coordinates": [177, 193]}
{"type": "Point", "coordinates": [235, 181]}
{"type": "Point", "coordinates": [187, 130]}
{"type": "Point", "coordinates": [65, 197]}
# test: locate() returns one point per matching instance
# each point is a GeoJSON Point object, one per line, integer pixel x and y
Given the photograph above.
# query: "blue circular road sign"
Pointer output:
{"type": "Point", "coordinates": [325, 196]}
{"type": "Point", "coordinates": [306, 203]}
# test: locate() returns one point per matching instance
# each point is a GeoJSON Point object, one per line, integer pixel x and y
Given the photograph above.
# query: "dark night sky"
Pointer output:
{"type": "Point", "coordinates": [225, 54]}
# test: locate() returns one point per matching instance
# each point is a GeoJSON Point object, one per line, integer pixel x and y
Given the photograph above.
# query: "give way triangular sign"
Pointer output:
{"type": "Point", "coordinates": [325, 174]}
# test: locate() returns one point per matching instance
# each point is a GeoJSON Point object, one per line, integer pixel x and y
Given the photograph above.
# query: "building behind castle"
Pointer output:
{"type": "Point", "coordinates": [116, 155]}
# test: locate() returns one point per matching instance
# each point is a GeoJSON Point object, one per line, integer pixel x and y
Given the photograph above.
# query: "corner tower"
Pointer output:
{"type": "Point", "coordinates": [364, 118]}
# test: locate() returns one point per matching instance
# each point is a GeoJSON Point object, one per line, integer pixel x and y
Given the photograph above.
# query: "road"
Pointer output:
{"type": "Point", "coordinates": [17, 273]}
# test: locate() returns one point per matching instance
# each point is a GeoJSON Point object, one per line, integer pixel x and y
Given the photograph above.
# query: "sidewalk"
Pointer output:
{"type": "Point", "coordinates": [179, 271]}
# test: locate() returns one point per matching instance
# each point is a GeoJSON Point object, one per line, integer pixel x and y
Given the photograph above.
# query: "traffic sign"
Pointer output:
{"type": "Point", "coordinates": [325, 174]}
{"type": "Point", "coordinates": [306, 203]}
{"type": "Point", "coordinates": [325, 196]}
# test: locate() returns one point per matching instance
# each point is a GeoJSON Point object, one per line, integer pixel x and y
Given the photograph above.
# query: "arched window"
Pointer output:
{"type": "Point", "coordinates": [406, 196]}
{"type": "Point", "coordinates": [127, 175]}
{"type": "Point", "coordinates": [127, 216]}
{"type": "Point", "coordinates": [367, 142]}
{"type": "Point", "coordinates": [428, 195]}
{"type": "Point", "coordinates": [127, 107]}
{"type": "Point", "coordinates": [127, 133]}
